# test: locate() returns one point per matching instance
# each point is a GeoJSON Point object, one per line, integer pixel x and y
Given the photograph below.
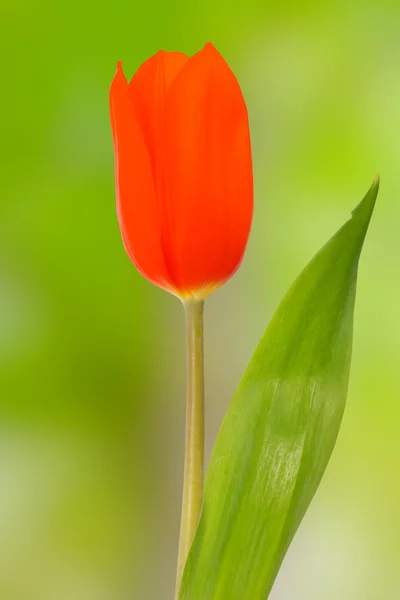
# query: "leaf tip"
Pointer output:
{"type": "Point", "coordinates": [366, 207]}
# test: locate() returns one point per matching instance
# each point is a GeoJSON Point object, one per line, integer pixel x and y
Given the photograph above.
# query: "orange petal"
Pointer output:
{"type": "Point", "coordinates": [149, 87]}
{"type": "Point", "coordinates": [209, 171]}
{"type": "Point", "coordinates": [137, 206]}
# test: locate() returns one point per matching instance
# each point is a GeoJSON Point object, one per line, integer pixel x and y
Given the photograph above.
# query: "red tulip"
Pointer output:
{"type": "Point", "coordinates": [183, 170]}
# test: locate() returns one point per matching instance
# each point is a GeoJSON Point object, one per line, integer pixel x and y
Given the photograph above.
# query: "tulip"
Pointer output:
{"type": "Point", "coordinates": [185, 205]}
{"type": "Point", "coordinates": [183, 170]}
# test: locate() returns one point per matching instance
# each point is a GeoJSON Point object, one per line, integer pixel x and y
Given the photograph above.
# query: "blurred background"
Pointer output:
{"type": "Point", "coordinates": [92, 355]}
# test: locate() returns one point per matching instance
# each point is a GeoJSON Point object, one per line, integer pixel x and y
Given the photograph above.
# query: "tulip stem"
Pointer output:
{"type": "Point", "coordinates": [193, 481]}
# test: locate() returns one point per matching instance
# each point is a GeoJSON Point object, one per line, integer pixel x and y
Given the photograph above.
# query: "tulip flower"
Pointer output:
{"type": "Point", "coordinates": [183, 170]}
{"type": "Point", "coordinates": [185, 205]}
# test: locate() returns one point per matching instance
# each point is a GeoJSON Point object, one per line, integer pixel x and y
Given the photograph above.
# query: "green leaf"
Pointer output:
{"type": "Point", "coordinates": [280, 429]}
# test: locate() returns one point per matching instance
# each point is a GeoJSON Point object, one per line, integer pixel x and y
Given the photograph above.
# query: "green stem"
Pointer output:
{"type": "Point", "coordinates": [193, 481]}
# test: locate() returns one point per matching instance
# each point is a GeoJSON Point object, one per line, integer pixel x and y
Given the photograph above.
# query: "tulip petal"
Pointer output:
{"type": "Point", "coordinates": [137, 206]}
{"type": "Point", "coordinates": [209, 171]}
{"type": "Point", "coordinates": [149, 87]}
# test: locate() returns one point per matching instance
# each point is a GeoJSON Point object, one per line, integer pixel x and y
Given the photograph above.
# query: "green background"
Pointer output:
{"type": "Point", "coordinates": [92, 355]}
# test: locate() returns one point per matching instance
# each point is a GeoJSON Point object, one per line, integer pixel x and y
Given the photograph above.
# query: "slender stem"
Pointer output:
{"type": "Point", "coordinates": [193, 482]}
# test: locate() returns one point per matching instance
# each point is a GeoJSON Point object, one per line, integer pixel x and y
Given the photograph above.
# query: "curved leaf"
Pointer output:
{"type": "Point", "coordinates": [280, 429]}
